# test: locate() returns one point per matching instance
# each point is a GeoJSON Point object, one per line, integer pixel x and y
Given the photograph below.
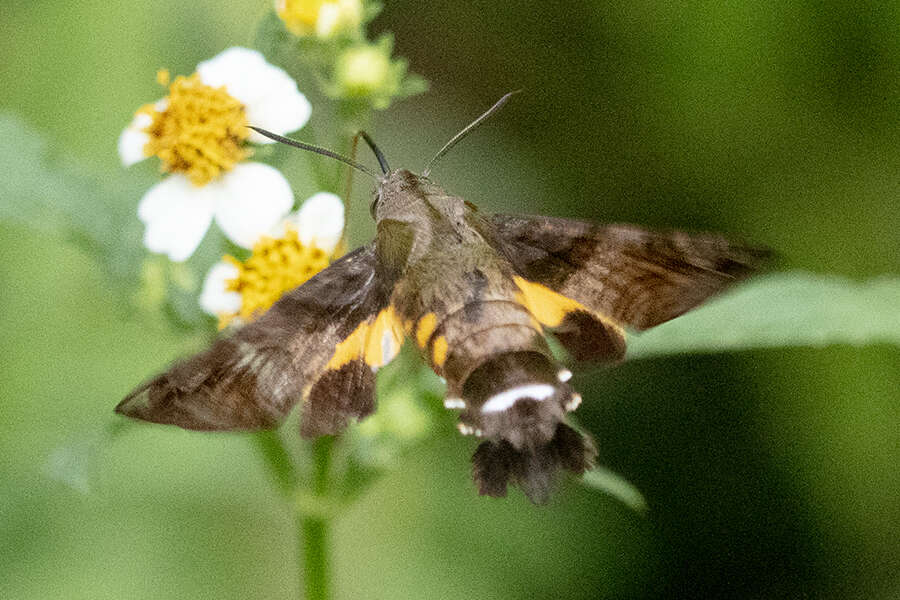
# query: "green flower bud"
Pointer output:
{"type": "Point", "coordinates": [364, 71]}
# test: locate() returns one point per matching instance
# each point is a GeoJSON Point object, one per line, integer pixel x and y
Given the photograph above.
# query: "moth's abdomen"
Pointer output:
{"type": "Point", "coordinates": [510, 392]}
{"type": "Point", "coordinates": [484, 350]}
{"type": "Point", "coordinates": [457, 342]}
{"type": "Point", "coordinates": [518, 397]}
{"type": "Point", "coordinates": [517, 402]}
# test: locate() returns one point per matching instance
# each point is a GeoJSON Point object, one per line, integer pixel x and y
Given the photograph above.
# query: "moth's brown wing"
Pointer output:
{"type": "Point", "coordinates": [628, 275]}
{"type": "Point", "coordinates": [314, 345]}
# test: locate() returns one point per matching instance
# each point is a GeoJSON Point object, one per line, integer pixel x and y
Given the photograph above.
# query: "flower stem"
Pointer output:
{"type": "Point", "coordinates": [278, 459]}
{"type": "Point", "coordinates": [314, 527]}
{"type": "Point", "coordinates": [314, 562]}
{"type": "Point", "coordinates": [309, 502]}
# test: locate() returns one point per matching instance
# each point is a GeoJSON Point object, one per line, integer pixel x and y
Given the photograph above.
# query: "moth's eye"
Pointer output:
{"type": "Point", "coordinates": [375, 198]}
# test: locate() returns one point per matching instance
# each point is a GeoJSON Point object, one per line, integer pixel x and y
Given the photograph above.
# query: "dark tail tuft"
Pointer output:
{"type": "Point", "coordinates": [496, 464]}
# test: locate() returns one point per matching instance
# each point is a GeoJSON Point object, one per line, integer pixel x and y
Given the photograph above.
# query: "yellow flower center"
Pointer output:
{"type": "Point", "coordinates": [276, 266]}
{"type": "Point", "coordinates": [299, 16]}
{"type": "Point", "coordinates": [200, 131]}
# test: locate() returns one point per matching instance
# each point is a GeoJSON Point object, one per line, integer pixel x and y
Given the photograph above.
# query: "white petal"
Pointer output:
{"type": "Point", "coordinates": [215, 298]}
{"type": "Point", "coordinates": [233, 68]}
{"type": "Point", "coordinates": [283, 111]}
{"type": "Point", "coordinates": [250, 200]}
{"type": "Point", "coordinates": [176, 214]}
{"type": "Point", "coordinates": [270, 96]}
{"type": "Point", "coordinates": [133, 139]}
{"type": "Point", "coordinates": [320, 221]}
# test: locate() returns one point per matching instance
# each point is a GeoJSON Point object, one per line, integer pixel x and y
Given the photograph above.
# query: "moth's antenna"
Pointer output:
{"type": "Point", "coordinates": [349, 187]}
{"type": "Point", "coordinates": [382, 161]}
{"type": "Point", "coordinates": [456, 138]}
{"type": "Point", "coordinates": [316, 149]}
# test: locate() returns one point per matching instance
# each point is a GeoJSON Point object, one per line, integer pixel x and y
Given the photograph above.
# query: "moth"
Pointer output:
{"type": "Point", "coordinates": [477, 294]}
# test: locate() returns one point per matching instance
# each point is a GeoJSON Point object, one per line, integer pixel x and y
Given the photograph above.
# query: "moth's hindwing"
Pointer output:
{"type": "Point", "coordinates": [319, 343]}
{"type": "Point", "coordinates": [584, 332]}
{"type": "Point", "coordinates": [346, 387]}
{"type": "Point", "coordinates": [626, 275]}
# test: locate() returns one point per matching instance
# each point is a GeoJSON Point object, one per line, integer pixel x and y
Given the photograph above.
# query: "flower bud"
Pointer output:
{"type": "Point", "coordinates": [363, 71]}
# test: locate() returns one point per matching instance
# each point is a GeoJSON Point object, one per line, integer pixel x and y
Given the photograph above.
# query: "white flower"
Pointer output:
{"type": "Point", "coordinates": [298, 247]}
{"type": "Point", "coordinates": [198, 132]}
{"type": "Point", "coordinates": [216, 299]}
{"type": "Point", "coordinates": [269, 95]}
{"type": "Point", "coordinates": [245, 202]}
{"type": "Point", "coordinates": [318, 223]}
{"type": "Point", "coordinates": [134, 139]}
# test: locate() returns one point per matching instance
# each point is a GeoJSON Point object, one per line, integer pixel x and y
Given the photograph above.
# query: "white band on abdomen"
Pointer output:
{"type": "Point", "coordinates": [505, 399]}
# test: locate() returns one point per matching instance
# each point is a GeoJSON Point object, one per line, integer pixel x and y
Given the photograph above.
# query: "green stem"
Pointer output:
{"type": "Point", "coordinates": [314, 527]}
{"type": "Point", "coordinates": [278, 459]}
{"type": "Point", "coordinates": [312, 509]}
{"type": "Point", "coordinates": [314, 540]}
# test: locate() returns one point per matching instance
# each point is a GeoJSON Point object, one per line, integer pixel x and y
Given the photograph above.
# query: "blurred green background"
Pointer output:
{"type": "Point", "coordinates": [769, 474]}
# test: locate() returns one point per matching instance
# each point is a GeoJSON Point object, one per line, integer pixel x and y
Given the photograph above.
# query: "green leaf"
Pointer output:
{"type": "Point", "coordinates": [371, 10]}
{"type": "Point", "coordinates": [614, 485]}
{"type": "Point", "coordinates": [783, 309]}
{"type": "Point", "coordinates": [412, 85]}
{"type": "Point", "coordinates": [43, 190]}
{"type": "Point", "coordinates": [74, 464]}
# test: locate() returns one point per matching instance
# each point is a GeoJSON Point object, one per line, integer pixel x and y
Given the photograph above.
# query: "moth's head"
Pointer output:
{"type": "Point", "coordinates": [394, 189]}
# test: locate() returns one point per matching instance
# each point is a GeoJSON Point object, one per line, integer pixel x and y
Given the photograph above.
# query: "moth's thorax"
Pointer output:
{"type": "Point", "coordinates": [435, 219]}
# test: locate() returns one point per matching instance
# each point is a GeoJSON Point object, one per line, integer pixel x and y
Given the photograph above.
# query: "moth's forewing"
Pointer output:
{"type": "Point", "coordinates": [315, 344]}
{"type": "Point", "coordinates": [635, 277]}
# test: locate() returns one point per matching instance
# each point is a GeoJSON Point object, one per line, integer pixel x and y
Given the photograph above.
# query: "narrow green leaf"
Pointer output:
{"type": "Point", "coordinates": [783, 309]}
{"type": "Point", "coordinates": [614, 485]}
